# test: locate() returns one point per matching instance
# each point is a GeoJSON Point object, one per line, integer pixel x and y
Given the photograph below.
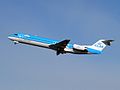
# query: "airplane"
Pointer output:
{"type": "Point", "coordinates": [61, 47]}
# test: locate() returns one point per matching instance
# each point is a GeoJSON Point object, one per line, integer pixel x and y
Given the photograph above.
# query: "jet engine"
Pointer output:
{"type": "Point", "coordinates": [79, 47]}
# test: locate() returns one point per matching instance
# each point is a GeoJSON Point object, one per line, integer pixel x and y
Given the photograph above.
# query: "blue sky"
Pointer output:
{"type": "Point", "coordinates": [25, 67]}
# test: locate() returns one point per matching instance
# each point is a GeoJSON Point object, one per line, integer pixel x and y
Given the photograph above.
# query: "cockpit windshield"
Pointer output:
{"type": "Point", "coordinates": [16, 34]}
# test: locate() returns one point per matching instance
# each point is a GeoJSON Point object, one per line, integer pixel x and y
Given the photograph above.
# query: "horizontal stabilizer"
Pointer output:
{"type": "Point", "coordinates": [107, 42]}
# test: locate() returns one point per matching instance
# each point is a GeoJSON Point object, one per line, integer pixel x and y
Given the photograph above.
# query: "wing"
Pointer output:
{"type": "Point", "coordinates": [59, 47]}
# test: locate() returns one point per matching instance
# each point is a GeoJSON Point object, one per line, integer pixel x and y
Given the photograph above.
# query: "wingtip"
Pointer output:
{"type": "Point", "coordinates": [111, 40]}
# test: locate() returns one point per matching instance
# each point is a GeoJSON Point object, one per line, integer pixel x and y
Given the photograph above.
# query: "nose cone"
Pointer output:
{"type": "Point", "coordinates": [9, 37]}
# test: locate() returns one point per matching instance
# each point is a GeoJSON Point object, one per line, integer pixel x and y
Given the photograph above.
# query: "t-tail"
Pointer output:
{"type": "Point", "coordinates": [99, 46]}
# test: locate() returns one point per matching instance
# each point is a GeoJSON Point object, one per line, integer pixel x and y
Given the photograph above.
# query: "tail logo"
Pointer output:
{"type": "Point", "coordinates": [99, 45]}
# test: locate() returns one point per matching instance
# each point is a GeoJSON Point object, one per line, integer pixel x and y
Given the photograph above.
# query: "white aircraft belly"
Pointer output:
{"type": "Point", "coordinates": [35, 43]}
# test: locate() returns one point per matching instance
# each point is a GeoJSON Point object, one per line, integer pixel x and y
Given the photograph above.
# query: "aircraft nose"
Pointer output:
{"type": "Point", "coordinates": [9, 37]}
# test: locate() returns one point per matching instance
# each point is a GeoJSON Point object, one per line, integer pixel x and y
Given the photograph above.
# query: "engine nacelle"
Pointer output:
{"type": "Point", "coordinates": [79, 47]}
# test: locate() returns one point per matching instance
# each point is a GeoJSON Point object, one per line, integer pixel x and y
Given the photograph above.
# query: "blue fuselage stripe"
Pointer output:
{"type": "Point", "coordinates": [38, 39]}
{"type": "Point", "coordinates": [93, 51]}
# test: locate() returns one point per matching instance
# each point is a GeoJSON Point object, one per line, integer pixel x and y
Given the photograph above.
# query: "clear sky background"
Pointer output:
{"type": "Point", "coordinates": [24, 67]}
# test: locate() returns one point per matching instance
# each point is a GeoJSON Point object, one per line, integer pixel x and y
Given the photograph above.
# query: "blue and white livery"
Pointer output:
{"type": "Point", "coordinates": [61, 47]}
